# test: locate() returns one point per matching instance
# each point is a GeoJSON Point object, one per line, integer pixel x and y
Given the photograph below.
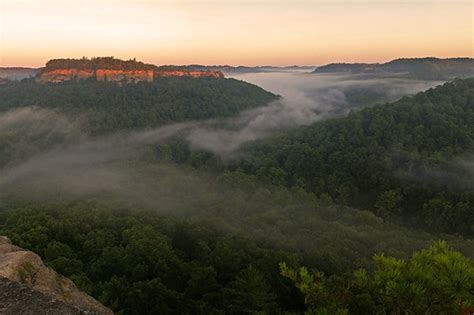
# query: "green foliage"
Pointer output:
{"type": "Point", "coordinates": [314, 286]}
{"type": "Point", "coordinates": [436, 280]}
{"type": "Point", "coordinates": [225, 258]}
{"type": "Point", "coordinates": [106, 106]}
{"type": "Point", "coordinates": [249, 294]}
{"type": "Point", "coordinates": [401, 160]}
{"type": "Point", "coordinates": [223, 254]}
{"type": "Point", "coordinates": [388, 205]}
{"type": "Point", "coordinates": [97, 63]}
{"type": "Point", "coordinates": [143, 263]}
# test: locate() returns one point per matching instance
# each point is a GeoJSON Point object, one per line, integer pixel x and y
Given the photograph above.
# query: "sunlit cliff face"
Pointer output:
{"type": "Point", "coordinates": [119, 75]}
{"type": "Point", "coordinates": [61, 75]}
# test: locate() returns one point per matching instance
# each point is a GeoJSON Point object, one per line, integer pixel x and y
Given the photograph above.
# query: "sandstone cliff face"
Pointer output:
{"type": "Point", "coordinates": [187, 73]}
{"type": "Point", "coordinates": [25, 267]}
{"type": "Point", "coordinates": [127, 75]}
{"type": "Point", "coordinates": [111, 75]}
{"type": "Point", "coordinates": [61, 75]}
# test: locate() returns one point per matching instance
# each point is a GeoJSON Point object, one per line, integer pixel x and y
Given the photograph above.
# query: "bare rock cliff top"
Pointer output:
{"type": "Point", "coordinates": [27, 286]}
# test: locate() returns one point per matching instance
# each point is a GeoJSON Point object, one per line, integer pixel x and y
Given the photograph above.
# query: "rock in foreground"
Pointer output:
{"type": "Point", "coordinates": [27, 286]}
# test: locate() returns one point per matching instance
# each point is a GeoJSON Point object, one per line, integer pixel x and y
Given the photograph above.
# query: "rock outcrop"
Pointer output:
{"type": "Point", "coordinates": [23, 275]}
{"type": "Point", "coordinates": [121, 75]}
{"type": "Point", "coordinates": [130, 76]}
{"type": "Point", "coordinates": [61, 75]}
{"type": "Point", "coordinates": [115, 70]}
{"type": "Point", "coordinates": [17, 298]}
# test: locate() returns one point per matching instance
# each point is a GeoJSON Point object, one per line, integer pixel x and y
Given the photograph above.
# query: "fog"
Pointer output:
{"type": "Point", "coordinates": [46, 157]}
{"type": "Point", "coordinates": [305, 99]}
{"type": "Point", "coordinates": [44, 144]}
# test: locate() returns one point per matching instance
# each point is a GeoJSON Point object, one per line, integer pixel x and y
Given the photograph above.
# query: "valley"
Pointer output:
{"type": "Point", "coordinates": [225, 183]}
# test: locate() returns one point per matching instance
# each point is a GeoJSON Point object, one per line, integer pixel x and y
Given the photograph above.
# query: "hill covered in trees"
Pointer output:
{"type": "Point", "coordinates": [410, 159]}
{"type": "Point", "coordinates": [106, 106]}
{"type": "Point", "coordinates": [415, 68]}
{"type": "Point", "coordinates": [218, 248]}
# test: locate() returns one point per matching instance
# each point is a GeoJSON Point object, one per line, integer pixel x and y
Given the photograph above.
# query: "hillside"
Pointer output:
{"type": "Point", "coordinates": [155, 227]}
{"type": "Point", "coordinates": [17, 73]}
{"type": "Point", "coordinates": [205, 245]}
{"type": "Point", "coordinates": [415, 68]}
{"type": "Point", "coordinates": [105, 106]}
{"type": "Point", "coordinates": [409, 161]}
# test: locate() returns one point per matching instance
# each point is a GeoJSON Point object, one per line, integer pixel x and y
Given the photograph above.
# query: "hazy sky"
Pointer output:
{"type": "Point", "coordinates": [279, 32]}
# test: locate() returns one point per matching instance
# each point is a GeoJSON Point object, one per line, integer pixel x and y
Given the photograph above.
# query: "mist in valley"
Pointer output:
{"type": "Point", "coordinates": [305, 99]}
{"type": "Point", "coordinates": [51, 145]}
{"type": "Point", "coordinates": [125, 170]}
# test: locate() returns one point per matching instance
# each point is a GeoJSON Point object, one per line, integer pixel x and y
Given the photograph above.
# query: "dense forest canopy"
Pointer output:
{"type": "Point", "coordinates": [219, 250]}
{"type": "Point", "coordinates": [109, 63]}
{"type": "Point", "coordinates": [108, 106]}
{"type": "Point", "coordinates": [410, 160]}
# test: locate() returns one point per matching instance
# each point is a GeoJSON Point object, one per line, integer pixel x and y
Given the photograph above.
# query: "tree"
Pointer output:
{"type": "Point", "coordinates": [249, 293]}
{"type": "Point", "coordinates": [388, 205]}
{"type": "Point", "coordinates": [318, 297]}
{"type": "Point", "coordinates": [436, 280]}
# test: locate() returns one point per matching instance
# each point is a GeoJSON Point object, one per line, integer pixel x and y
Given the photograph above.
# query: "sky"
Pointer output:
{"type": "Point", "coordinates": [235, 32]}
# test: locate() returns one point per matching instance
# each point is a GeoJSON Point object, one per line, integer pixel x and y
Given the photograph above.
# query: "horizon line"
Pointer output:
{"type": "Point", "coordinates": [247, 66]}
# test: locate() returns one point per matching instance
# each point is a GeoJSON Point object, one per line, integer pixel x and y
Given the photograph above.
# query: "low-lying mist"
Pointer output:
{"type": "Point", "coordinates": [61, 164]}
{"type": "Point", "coordinates": [305, 99]}
{"type": "Point", "coordinates": [41, 143]}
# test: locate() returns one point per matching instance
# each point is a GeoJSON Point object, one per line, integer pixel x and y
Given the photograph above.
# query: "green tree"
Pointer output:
{"type": "Point", "coordinates": [249, 293]}
{"type": "Point", "coordinates": [388, 205]}
{"type": "Point", "coordinates": [319, 299]}
{"type": "Point", "coordinates": [436, 280]}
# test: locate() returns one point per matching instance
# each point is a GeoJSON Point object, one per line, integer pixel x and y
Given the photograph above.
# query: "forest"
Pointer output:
{"type": "Point", "coordinates": [410, 162]}
{"type": "Point", "coordinates": [428, 68]}
{"type": "Point", "coordinates": [365, 214]}
{"type": "Point", "coordinates": [97, 63]}
{"type": "Point", "coordinates": [107, 107]}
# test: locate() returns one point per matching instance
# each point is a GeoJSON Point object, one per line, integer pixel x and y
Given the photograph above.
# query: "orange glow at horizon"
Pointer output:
{"type": "Point", "coordinates": [264, 32]}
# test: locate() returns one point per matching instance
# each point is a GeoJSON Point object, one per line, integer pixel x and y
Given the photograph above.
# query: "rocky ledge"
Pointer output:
{"type": "Point", "coordinates": [114, 70]}
{"type": "Point", "coordinates": [27, 286]}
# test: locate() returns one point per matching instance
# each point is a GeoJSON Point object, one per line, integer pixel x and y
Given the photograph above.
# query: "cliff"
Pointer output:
{"type": "Point", "coordinates": [121, 75]}
{"type": "Point", "coordinates": [61, 75]}
{"type": "Point", "coordinates": [28, 286]}
{"type": "Point", "coordinates": [116, 70]}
